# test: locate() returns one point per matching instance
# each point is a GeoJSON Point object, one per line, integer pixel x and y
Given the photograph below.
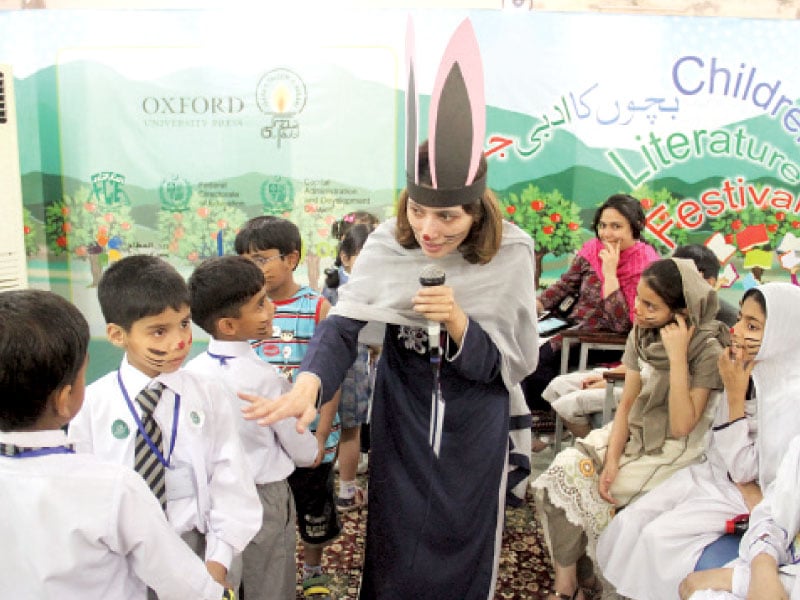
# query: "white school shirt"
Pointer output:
{"type": "Point", "coordinates": [74, 527]}
{"type": "Point", "coordinates": [208, 483]}
{"type": "Point", "coordinates": [272, 452]}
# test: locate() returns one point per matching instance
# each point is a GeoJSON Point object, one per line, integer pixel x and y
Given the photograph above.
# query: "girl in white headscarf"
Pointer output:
{"type": "Point", "coordinates": [751, 439]}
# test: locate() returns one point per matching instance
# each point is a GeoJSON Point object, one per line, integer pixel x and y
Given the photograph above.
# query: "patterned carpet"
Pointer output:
{"type": "Point", "coordinates": [524, 561]}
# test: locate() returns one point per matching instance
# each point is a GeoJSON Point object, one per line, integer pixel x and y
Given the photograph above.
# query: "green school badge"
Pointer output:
{"type": "Point", "coordinates": [119, 429]}
{"type": "Point", "coordinates": [196, 418]}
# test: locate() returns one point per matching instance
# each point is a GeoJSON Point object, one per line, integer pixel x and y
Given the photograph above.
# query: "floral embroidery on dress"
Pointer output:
{"type": "Point", "coordinates": [414, 338]}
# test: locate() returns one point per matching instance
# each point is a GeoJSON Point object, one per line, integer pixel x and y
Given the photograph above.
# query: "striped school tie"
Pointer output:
{"type": "Point", "coordinates": [146, 462]}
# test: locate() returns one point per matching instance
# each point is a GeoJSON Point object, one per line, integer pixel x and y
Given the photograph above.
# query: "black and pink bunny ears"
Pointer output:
{"type": "Point", "coordinates": [456, 125]}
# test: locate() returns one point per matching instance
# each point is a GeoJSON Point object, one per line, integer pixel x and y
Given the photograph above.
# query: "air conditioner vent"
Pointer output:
{"type": "Point", "coordinates": [3, 113]}
{"type": "Point", "coordinates": [13, 263]}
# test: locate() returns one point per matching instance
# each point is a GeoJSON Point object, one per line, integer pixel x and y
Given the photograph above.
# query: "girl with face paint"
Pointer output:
{"type": "Point", "coordinates": [649, 548]}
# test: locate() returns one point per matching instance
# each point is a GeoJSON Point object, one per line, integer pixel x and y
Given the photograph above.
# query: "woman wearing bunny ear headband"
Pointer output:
{"type": "Point", "coordinates": [441, 459]}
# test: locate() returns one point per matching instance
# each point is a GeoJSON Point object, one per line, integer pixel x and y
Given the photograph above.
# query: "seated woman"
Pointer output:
{"type": "Point", "coordinates": [671, 367]}
{"type": "Point", "coordinates": [603, 280]}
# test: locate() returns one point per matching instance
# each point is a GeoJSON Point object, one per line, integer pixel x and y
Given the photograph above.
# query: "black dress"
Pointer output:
{"type": "Point", "coordinates": [435, 523]}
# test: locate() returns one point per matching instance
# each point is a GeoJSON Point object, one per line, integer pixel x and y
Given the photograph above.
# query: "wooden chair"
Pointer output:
{"type": "Point", "coordinates": [589, 340]}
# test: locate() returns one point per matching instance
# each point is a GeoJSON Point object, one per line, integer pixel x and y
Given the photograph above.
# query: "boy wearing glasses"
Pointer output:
{"type": "Point", "coordinates": [274, 245]}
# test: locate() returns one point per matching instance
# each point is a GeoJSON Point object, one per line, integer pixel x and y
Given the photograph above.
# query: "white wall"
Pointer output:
{"type": "Point", "coordinates": [780, 9]}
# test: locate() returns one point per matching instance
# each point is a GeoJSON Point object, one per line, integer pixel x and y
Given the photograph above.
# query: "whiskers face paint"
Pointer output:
{"type": "Point", "coordinates": [752, 346]}
{"type": "Point", "coordinates": [159, 343]}
{"type": "Point", "coordinates": [155, 358]}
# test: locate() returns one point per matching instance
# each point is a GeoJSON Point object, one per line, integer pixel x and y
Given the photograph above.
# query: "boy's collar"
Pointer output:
{"type": "Point", "coordinates": [230, 347]}
{"type": "Point", "coordinates": [47, 438]}
{"type": "Point", "coordinates": [135, 381]}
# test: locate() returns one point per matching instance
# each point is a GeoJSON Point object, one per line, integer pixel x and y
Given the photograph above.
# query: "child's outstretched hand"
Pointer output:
{"type": "Point", "coordinates": [298, 402]}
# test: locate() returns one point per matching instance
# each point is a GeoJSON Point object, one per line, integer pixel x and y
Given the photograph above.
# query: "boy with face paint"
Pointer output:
{"type": "Point", "coordinates": [62, 549]}
{"type": "Point", "coordinates": [191, 456]}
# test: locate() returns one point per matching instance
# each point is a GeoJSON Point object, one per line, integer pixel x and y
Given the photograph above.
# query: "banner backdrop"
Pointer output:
{"type": "Point", "coordinates": [163, 131]}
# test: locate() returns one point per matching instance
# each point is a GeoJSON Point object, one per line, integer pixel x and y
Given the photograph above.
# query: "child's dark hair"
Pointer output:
{"type": "Point", "coordinates": [351, 244]}
{"type": "Point", "coordinates": [220, 286]}
{"type": "Point", "coordinates": [357, 217]}
{"type": "Point", "coordinates": [664, 278]}
{"type": "Point", "coordinates": [43, 344]}
{"type": "Point", "coordinates": [703, 257]}
{"type": "Point", "coordinates": [140, 286]}
{"type": "Point", "coordinates": [268, 232]}
{"type": "Point", "coordinates": [629, 207]}
{"type": "Point", "coordinates": [756, 295]}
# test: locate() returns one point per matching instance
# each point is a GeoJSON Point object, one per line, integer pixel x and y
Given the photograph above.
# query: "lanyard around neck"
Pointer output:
{"type": "Point", "coordinates": [140, 425]}
{"type": "Point", "coordinates": [222, 358]}
{"type": "Point", "coordinates": [44, 451]}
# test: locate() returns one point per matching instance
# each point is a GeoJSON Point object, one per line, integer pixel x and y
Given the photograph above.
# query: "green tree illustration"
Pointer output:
{"type": "Point", "coordinates": [31, 232]}
{"type": "Point", "coordinates": [82, 227]}
{"type": "Point", "coordinates": [551, 220]}
{"type": "Point", "coordinates": [201, 230]}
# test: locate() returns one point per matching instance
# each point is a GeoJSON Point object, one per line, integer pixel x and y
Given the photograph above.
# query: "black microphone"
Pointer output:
{"type": "Point", "coordinates": [432, 275]}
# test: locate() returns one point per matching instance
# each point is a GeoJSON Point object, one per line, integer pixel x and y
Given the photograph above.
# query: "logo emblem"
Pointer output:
{"type": "Point", "coordinates": [107, 188]}
{"type": "Point", "coordinates": [175, 193]}
{"type": "Point", "coordinates": [277, 195]}
{"type": "Point", "coordinates": [197, 418]}
{"type": "Point", "coordinates": [281, 95]}
{"type": "Point", "coordinates": [119, 429]}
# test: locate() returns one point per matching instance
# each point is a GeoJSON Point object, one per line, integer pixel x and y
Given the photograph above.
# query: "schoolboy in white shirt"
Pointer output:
{"type": "Point", "coordinates": [73, 527]}
{"type": "Point", "coordinates": [193, 461]}
{"type": "Point", "coordinates": [229, 301]}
